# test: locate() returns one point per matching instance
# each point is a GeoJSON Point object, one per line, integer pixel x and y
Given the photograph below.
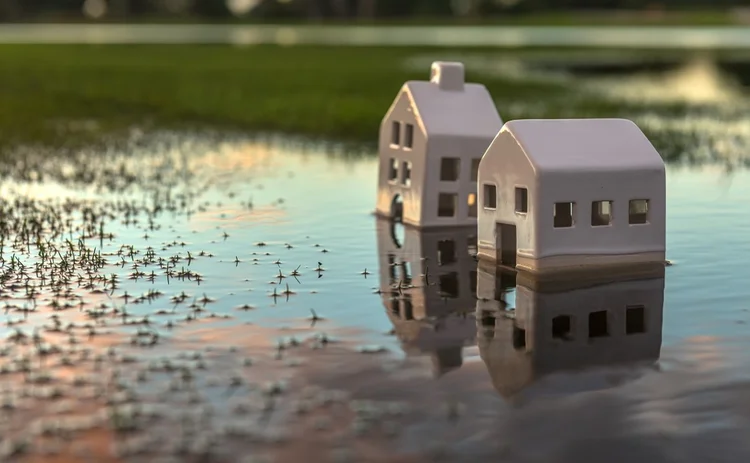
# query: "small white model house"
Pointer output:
{"type": "Point", "coordinates": [435, 316]}
{"type": "Point", "coordinates": [573, 330]}
{"type": "Point", "coordinates": [561, 194]}
{"type": "Point", "coordinates": [431, 141]}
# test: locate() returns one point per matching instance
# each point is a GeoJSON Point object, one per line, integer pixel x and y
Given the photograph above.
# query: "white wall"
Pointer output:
{"type": "Point", "coordinates": [466, 149]}
{"type": "Point", "coordinates": [506, 166]}
{"type": "Point", "coordinates": [618, 238]}
{"type": "Point", "coordinates": [412, 196]}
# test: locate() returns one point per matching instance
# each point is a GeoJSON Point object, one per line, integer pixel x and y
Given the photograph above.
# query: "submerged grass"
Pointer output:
{"type": "Point", "coordinates": [68, 94]}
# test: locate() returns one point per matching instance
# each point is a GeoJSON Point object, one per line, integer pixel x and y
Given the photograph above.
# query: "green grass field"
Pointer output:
{"type": "Point", "coordinates": [329, 92]}
{"type": "Point", "coordinates": [64, 95]}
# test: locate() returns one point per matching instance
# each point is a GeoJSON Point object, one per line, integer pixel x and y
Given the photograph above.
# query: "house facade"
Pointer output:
{"type": "Point", "coordinates": [573, 328]}
{"type": "Point", "coordinates": [571, 193]}
{"type": "Point", "coordinates": [431, 140]}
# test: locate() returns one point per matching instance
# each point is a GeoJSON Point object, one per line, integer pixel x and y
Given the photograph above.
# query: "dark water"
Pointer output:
{"type": "Point", "coordinates": [321, 206]}
{"type": "Point", "coordinates": [651, 368]}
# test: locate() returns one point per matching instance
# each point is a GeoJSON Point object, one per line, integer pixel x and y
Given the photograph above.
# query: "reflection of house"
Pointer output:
{"type": "Point", "coordinates": [557, 194]}
{"type": "Point", "coordinates": [428, 285]}
{"type": "Point", "coordinates": [431, 141]}
{"type": "Point", "coordinates": [570, 326]}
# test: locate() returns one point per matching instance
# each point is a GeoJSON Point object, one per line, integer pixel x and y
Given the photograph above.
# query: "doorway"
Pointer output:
{"type": "Point", "coordinates": [506, 245]}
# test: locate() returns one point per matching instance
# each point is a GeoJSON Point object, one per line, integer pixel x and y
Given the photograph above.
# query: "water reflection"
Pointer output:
{"type": "Point", "coordinates": [428, 287]}
{"type": "Point", "coordinates": [567, 327]}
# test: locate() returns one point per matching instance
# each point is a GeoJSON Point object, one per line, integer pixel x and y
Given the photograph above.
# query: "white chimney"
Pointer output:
{"type": "Point", "coordinates": [448, 75]}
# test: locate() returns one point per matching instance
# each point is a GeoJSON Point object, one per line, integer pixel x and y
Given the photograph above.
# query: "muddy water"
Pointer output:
{"type": "Point", "coordinates": [284, 264]}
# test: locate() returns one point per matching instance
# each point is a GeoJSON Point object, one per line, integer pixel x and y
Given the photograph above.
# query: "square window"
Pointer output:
{"type": "Point", "coordinates": [522, 199]}
{"type": "Point", "coordinates": [475, 169]}
{"type": "Point", "coordinates": [490, 196]}
{"type": "Point", "coordinates": [447, 204]}
{"type": "Point", "coordinates": [406, 173]}
{"type": "Point", "coordinates": [409, 136]}
{"type": "Point", "coordinates": [635, 319]}
{"type": "Point", "coordinates": [449, 285]}
{"type": "Point", "coordinates": [449, 169]}
{"type": "Point", "coordinates": [395, 133]}
{"type": "Point", "coordinates": [638, 211]}
{"type": "Point", "coordinates": [561, 327]}
{"type": "Point", "coordinates": [564, 213]}
{"type": "Point", "coordinates": [446, 252]}
{"type": "Point", "coordinates": [601, 213]}
{"type": "Point", "coordinates": [393, 171]}
{"type": "Point", "coordinates": [598, 325]}
{"type": "Point", "coordinates": [471, 201]}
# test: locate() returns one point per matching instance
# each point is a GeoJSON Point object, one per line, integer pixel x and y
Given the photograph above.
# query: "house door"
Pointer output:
{"type": "Point", "coordinates": [506, 244]}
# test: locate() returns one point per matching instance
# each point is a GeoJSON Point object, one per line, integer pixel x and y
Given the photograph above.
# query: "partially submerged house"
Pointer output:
{"type": "Point", "coordinates": [574, 329]}
{"type": "Point", "coordinates": [571, 193]}
{"type": "Point", "coordinates": [428, 286]}
{"type": "Point", "coordinates": [431, 141]}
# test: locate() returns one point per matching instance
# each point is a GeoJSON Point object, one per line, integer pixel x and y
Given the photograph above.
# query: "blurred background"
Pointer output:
{"type": "Point", "coordinates": [707, 11]}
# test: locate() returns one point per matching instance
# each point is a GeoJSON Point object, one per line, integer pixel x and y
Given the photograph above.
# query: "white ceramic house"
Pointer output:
{"type": "Point", "coordinates": [431, 141]}
{"type": "Point", "coordinates": [438, 317]}
{"type": "Point", "coordinates": [574, 330]}
{"type": "Point", "coordinates": [571, 193]}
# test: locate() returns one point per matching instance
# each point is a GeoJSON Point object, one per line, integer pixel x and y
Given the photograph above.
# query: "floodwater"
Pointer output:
{"type": "Point", "coordinates": [217, 297]}
{"type": "Point", "coordinates": [279, 232]}
{"type": "Point", "coordinates": [685, 37]}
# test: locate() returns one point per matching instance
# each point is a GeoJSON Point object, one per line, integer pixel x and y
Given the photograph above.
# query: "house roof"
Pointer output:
{"type": "Point", "coordinates": [584, 144]}
{"type": "Point", "coordinates": [447, 105]}
{"type": "Point", "coordinates": [470, 111]}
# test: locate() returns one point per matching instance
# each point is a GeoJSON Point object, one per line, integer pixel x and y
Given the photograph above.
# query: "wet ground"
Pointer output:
{"type": "Point", "coordinates": [211, 297]}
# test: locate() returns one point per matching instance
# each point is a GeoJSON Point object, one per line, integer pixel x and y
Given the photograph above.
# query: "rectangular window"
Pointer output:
{"type": "Point", "coordinates": [598, 324]}
{"type": "Point", "coordinates": [449, 169]}
{"type": "Point", "coordinates": [471, 201]}
{"type": "Point", "coordinates": [406, 173]}
{"type": "Point", "coordinates": [446, 252]}
{"type": "Point", "coordinates": [638, 211]}
{"type": "Point", "coordinates": [396, 133]}
{"type": "Point", "coordinates": [408, 308]}
{"type": "Point", "coordinates": [393, 171]}
{"type": "Point", "coordinates": [635, 319]}
{"type": "Point", "coordinates": [522, 199]}
{"type": "Point", "coordinates": [562, 327]}
{"type": "Point", "coordinates": [448, 284]}
{"type": "Point", "coordinates": [564, 214]}
{"type": "Point", "coordinates": [601, 213]}
{"type": "Point", "coordinates": [475, 169]}
{"type": "Point", "coordinates": [406, 272]}
{"type": "Point", "coordinates": [447, 204]}
{"type": "Point", "coordinates": [409, 136]}
{"type": "Point", "coordinates": [489, 199]}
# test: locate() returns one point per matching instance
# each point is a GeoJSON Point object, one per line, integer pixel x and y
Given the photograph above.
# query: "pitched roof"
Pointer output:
{"type": "Point", "coordinates": [470, 111]}
{"type": "Point", "coordinates": [447, 105]}
{"type": "Point", "coordinates": [584, 144]}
